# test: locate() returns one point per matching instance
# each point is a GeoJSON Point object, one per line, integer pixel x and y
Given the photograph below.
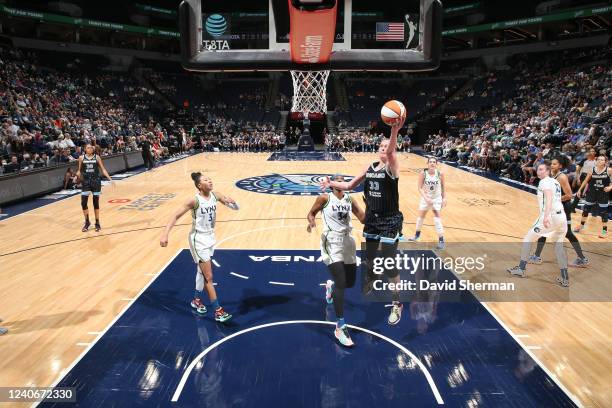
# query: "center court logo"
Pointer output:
{"type": "Point", "coordinates": [286, 184]}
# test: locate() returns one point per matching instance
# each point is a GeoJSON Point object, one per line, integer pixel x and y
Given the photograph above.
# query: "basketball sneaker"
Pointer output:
{"type": "Point", "coordinates": [343, 336]}
{"type": "Point", "coordinates": [98, 227]}
{"type": "Point", "coordinates": [221, 315]}
{"type": "Point", "coordinates": [329, 290]}
{"type": "Point", "coordinates": [517, 271]}
{"type": "Point", "coordinates": [198, 306]}
{"type": "Point", "coordinates": [534, 259]}
{"type": "Point", "coordinates": [578, 229]}
{"type": "Point", "coordinates": [604, 233]}
{"type": "Point", "coordinates": [441, 244]}
{"type": "Point", "coordinates": [396, 312]}
{"type": "Point", "coordinates": [580, 263]}
{"type": "Point", "coordinates": [4, 330]}
{"type": "Point", "coordinates": [414, 238]}
{"type": "Point", "coordinates": [86, 226]}
{"type": "Point", "coordinates": [562, 282]}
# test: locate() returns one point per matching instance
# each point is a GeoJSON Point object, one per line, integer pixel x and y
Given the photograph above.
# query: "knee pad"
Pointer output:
{"type": "Point", "coordinates": [84, 199]}
{"type": "Point", "coordinates": [96, 202]}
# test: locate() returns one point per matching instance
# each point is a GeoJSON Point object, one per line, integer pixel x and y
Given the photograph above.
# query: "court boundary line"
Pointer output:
{"type": "Point", "coordinates": [530, 353]}
{"type": "Point", "coordinates": [522, 345]}
{"type": "Point", "coordinates": [101, 334]}
{"type": "Point", "coordinates": [192, 364]}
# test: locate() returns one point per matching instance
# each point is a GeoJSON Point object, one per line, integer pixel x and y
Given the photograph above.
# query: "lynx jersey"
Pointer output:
{"type": "Point", "coordinates": [337, 213]}
{"type": "Point", "coordinates": [549, 183]}
{"type": "Point", "coordinates": [204, 214]}
{"type": "Point", "coordinates": [432, 184]}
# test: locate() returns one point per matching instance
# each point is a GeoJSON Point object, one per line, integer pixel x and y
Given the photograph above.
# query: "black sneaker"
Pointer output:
{"type": "Point", "coordinates": [86, 226]}
{"type": "Point", "coordinates": [98, 227]}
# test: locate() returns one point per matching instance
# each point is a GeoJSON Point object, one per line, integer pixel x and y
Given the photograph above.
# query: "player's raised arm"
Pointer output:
{"type": "Point", "coordinates": [344, 185]}
{"type": "Point", "coordinates": [227, 201]}
{"type": "Point", "coordinates": [188, 205]}
{"type": "Point", "coordinates": [391, 149]}
{"type": "Point", "coordinates": [316, 207]}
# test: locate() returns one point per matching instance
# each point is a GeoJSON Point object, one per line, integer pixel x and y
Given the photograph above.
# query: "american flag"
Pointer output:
{"type": "Point", "coordinates": [389, 31]}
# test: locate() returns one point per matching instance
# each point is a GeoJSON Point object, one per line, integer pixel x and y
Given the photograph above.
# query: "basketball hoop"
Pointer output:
{"type": "Point", "coordinates": [309, 91]}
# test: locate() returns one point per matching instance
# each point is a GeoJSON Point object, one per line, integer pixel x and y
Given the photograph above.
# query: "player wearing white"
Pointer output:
{"type": "Point", "coordinates": [551, 223]}
{"type": "Point", "coordinates": [433, 197]}
{"type": "Point", "coordinates": [338, 249]}
{"type": "Point", "coordinates": [203, 209]}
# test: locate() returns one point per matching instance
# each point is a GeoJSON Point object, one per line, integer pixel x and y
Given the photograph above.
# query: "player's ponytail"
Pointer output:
{"type": "Point", "coordinates": [196, 178]}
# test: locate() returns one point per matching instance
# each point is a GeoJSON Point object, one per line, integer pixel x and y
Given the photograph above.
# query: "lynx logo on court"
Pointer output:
{"type": "Point", "coordinates": [286, 184]}
{"type": "Point", "coordinates": [482, 202]}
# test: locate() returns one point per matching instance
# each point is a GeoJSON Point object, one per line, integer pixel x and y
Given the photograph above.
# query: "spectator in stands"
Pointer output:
{"type": "Point", "coordinates": [70, 179]}
{"type": "Point", "coordinates": [12, 166]}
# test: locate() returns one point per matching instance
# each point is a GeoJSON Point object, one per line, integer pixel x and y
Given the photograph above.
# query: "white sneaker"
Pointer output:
{"type": "Point", "coordinates": [517, 271]}
{"type": "Point", "coordinates": [536, 260]}
{"type": "Point", "coordinates": [396, 313]}
{"type": "Point", "coordinates": [343, 336]}
{"type": "Point", "coordinates": [329, 290]}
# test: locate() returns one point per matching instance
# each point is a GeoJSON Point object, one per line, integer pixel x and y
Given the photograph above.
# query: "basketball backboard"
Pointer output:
{"type": "Point", "coordinates": [253, 35]}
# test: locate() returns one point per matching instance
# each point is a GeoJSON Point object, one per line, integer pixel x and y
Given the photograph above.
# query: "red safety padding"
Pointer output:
{"type": "Point", "coordinates": [311, 34]}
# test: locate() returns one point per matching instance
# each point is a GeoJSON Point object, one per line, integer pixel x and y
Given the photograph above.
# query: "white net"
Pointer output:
{"type": "Point", "coordinates": [309, 91]}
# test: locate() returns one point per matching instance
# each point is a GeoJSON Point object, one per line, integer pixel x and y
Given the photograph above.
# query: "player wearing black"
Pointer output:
{"type": "Point", "coordinates": [598, 193]}
{"type": "Point", "coordinates": [383, 219]}
{"type": "Point", "coordinates": [583, 169]}
{"type": "Point", "coordinates": [89, 167]}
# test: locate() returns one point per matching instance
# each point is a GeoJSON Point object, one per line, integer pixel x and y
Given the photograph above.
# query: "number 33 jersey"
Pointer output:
{"type": "Point", "coordinates": [381, 191]}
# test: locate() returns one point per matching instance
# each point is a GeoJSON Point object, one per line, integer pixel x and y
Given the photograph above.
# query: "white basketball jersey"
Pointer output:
{"type": "Point", "coordinates": [204, 214]}
{"type": "Point", "coordinates": [337, 213]}
{"type": "Point", "coordinates": [433, 185]}
{"type": "Point", "coordinates": [549, 183]}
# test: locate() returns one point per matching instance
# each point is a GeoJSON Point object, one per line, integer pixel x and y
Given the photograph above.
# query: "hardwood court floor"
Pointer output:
{"type": "Point", "coordinates": [60, 287]}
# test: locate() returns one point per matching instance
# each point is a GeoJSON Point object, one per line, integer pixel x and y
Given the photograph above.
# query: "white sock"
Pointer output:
{"type": "Point", "coordinates": [199, 286]}
{"type": "Point", "coordinates": [439, 227]}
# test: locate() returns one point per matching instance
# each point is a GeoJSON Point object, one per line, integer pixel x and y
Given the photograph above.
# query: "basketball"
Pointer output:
{"type": "Point", "coordinates": [392, 111]}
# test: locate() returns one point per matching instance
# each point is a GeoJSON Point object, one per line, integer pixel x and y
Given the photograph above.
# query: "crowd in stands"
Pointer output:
{"type": "Point", "coordinates": [47, 116]}
{"type": "Point", "coordinates": [550, 111]}
{"type": "Point", "coordinates": [510, 122]}
{"type": "Point", "coordinates": [354, 139]}
{"type": "Point", "coordinates": [223, 134]}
